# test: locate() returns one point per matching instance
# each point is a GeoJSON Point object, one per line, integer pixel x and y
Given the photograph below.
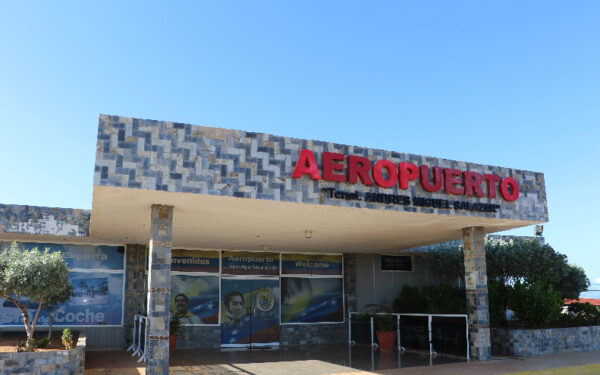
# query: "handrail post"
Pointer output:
{"type": "Point", "coordinates": [430, 337]}
{"type": "Point", "coordinates": [350, 328]}
{"type": "Point", "coordinates": [132, 346]}
{"type": "Point", "coordinates": [467, 332]}
{"type": "Point", "coordinates": [139, 341]}
{"type": "Point", "coordinates": [398, 331]}
{"type": "Point", "coordinates": [143, 357]}
{"type": "Point", "coordinates": [372, 338]}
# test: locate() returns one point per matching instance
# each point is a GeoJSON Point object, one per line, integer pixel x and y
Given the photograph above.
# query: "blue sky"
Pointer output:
{"type": "Point", "coordinates": [514, 83]}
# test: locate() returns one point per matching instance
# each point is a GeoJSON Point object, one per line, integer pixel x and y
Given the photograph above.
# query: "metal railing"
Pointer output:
{"type": "Point", "coordinates": [398, 315]}
{"type": "Point", "coordinates": [140, 330]}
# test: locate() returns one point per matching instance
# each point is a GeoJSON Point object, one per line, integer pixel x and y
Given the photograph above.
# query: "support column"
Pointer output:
{"type": "Point", "coordinates": [477, 293]}
{"type": "Point", "coordinates": [159, 289]}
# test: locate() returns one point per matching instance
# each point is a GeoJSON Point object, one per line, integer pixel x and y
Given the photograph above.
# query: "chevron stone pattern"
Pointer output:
{"type": "Point", "coordinates": [176, 157]}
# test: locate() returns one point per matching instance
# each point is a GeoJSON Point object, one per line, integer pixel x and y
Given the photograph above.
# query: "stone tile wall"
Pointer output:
{"type": "Point", "coordinates": [170, 156]}
{"type": "Point", "coordinates": [199, 337]}
{"type": "Point", "coordinates": [476, 291]}
{"type": "Point", "coordinates": [61, 362]}
{"type": "Point", "coordinates": [302, 334]}
{"type": "Point", "coordinates": [533, 342]}
{"type": "Point", "coordinates": [51, 221]}
{"type": "Point", "coordinates": [135, 288]}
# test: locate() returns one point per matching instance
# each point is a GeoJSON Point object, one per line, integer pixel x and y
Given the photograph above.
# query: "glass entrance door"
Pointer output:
{"type": "Point", "coordinates": [249, 312]}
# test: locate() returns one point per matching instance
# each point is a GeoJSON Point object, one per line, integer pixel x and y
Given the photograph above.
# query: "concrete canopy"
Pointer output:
{"type": "Point", "coordinates": [122, 215]}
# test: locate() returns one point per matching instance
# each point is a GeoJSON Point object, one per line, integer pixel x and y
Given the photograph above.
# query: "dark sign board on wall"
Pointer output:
{"type": "Point", "coordinates": [396, 263]}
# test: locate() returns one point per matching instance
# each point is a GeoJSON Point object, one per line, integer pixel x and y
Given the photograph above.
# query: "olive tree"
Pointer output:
{"type": "Point", "coordinates": [31, 275]}
{"type": "Point", "coordinates": [514, 261]}
{"type": "Point", "coordinates": [51, 305]}
{"type": "Point", "coordinates": [511, 263]}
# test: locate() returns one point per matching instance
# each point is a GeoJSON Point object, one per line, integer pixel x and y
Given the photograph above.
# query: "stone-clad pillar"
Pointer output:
{"type": "Point", "coordinates": [159, 289]}
{"type": "Point", "coordinates": [477, 293]}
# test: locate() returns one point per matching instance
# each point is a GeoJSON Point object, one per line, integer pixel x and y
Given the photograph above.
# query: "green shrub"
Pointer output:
{"type": "Point", "coordinates": [42, 342]}
{"type": "Point", "coordinates": [67, 339]}
{"type": "Point", "coordinates": [584, 314]}
{"type": "Point", "coordinates": [385, 322]}
{"type": "Point", "coordinates": [175, 326]}
{"type": "Point", "coordinates": [410, 300]}
{"type": "Point", "coordinates": [383, 318]}
{"type": "Point", "coordinates": [432, 299]}
{"type": "Point", "coordinates": [535, 304]}
{"type": "Point", "coordinates": [497, 295]}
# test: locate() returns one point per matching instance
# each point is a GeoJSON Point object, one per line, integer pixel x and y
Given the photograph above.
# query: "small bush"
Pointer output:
{"type": "Point", "coordinates": [410, 300]}
{"type": "Point", "coordinates": [497, 295]}
{"type": "Point", "coordinates": [535, 304]}
{"type": "Point", "coordinates": [42, 342]}
{"type": "Point", "coordinates": [67, 339]}
{"type": "Point", "coordinates": [584, 314]}
{"type": "Point", "coordinates": [175, 326]}
{"type": "Point", "coordinates": [432, 299]}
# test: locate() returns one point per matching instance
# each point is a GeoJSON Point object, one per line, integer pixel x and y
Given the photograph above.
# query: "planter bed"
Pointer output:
{"type": "Point", "coordinates": [533, 342]}
{"type": "Point", "coordinates": [46, 361]}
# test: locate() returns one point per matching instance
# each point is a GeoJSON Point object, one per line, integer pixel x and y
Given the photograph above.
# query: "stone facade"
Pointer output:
{"type": "Point", "coordinates": [61, 362]}
{"type": "Point", "coordinates": [533, 342]}
{"type": "Point", "coordinates": [159, 289]}
{"type": "Point", "coordinates": [477, 293]}
{"type": "Point", "coordinates": [199, 337]}
{"type": "Point", "coordinates": [50, 221]}
{"type": "Point", "coordinates": [290, 334]}
{"type": "Point", "coordinates": [135, 288]}
{"type": "Point", "coordinates": [301, 334]}
{"type": "Point", "coordinates": [175, 157]}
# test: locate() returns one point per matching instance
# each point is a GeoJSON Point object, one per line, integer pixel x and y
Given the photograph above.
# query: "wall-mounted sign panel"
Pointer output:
{"type": "Point", "coordinates": [311, 264]}
{"type": "Point", "coordinates": [195, 261]}
{"type": "Point", "coordinates": [96, 273]}
{"type": "Point", "coordinates": [396, 263]}
{"type": "Point", "coordinates": [250, 263]}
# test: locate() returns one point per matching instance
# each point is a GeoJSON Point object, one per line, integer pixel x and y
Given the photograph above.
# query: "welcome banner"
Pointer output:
{"type": "Point", "coordinates": [195, 261]}
{"type": "Point", "coordinates": [311, 264]}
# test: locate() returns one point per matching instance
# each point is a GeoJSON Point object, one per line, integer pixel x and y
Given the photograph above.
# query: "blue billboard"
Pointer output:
{"type": "Point", "coordinates": [97, 276]}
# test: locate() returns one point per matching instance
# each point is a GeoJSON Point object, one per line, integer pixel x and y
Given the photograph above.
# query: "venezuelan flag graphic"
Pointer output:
{"type": "Point", "coordinates": [202, 294]}
{"type": "Point", "coordinates": [206, 307]}
{"type": "Point", "coordinates": [307, 300]}
{"type": "Point", "coordinates": [258, 321]}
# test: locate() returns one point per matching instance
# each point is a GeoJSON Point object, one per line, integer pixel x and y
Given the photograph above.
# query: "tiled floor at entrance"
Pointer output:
{"type": "Point", "coordinates": [304, 360]}
{"type": "Point", "coordinates": [356, 357]}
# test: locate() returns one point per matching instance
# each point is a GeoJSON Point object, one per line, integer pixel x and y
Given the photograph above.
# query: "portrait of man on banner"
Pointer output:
{"type": "Point", "coordinates": [195, 298]}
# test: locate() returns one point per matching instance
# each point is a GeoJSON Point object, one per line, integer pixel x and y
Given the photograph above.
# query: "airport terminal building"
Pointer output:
{"type": "Point", "coordinates": [260, 239]}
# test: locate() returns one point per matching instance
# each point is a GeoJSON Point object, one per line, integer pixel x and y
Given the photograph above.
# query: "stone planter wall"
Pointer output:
{"type": "Point", "coordinates": [533, 342]}
{"type": "Point", "coordinates": [47, 362]}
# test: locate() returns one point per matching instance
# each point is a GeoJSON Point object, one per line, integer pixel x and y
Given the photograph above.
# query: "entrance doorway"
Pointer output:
{"type": "Point", "coordinates": [249, 312]}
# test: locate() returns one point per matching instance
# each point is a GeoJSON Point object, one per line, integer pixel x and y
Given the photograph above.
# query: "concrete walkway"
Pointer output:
{"type": "Point", "coordinates": [121, 362]}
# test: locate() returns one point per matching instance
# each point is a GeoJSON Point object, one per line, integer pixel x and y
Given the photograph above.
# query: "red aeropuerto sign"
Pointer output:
{"type": "Point", "coordinates": [431, 179]}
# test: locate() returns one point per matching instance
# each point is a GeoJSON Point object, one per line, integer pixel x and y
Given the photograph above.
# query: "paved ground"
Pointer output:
{"type": "Point", "coordinates": [186, 362]}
